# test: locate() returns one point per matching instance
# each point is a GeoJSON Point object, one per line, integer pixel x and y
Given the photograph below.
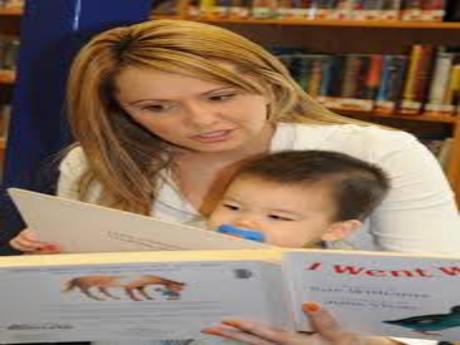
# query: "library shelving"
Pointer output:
{"type": "Point", "coordinates": [363, 37]}
{"type": "Point", "coordinates": [332, 36]}
{"type": "Point", "coordinates": [9, 26]}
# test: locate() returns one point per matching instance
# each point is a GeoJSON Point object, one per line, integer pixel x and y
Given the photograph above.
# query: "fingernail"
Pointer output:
{"type": "Point", "coordinates": [232, 323]}
{"type": "Point", "coordinates": [211, 331]}
{"type": "Point", "coordinates": [310, 307]}
{"type": "Point", "coordinates": [49, 247]}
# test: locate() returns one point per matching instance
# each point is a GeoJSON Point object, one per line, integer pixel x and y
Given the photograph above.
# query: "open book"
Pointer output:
{"type": "Point", "coordinates": [175, 294]}
{"type": "Point", "coordinates": [84, 228]}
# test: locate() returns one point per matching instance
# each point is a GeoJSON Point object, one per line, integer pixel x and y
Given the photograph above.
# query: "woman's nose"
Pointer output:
{"type": "Point", "coordinates": [200, 115]}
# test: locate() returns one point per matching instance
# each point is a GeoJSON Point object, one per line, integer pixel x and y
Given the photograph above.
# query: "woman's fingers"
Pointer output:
{"type": "Point", "coordinates": [49, 248]}
{"type": "Point", "coordinates": [321, 321]}
{"type": "Point", "coordinates": [255, 333]}
{"type": "Point", "coordinates": [27, 242]}
{"type": "Point", "coordinates": [236, 334]}
{"type": "Point", "coordinates": [327, 328]}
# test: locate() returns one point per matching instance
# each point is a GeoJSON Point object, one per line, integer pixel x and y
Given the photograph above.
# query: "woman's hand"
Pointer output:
{"type": "Point", "coordinates": [326, 331]}
{"type": "Point", "coordinates": [27, 241]}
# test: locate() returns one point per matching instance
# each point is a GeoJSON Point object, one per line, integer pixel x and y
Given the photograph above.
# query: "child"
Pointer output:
{"type": "Point", "coordinates": [301, 198]}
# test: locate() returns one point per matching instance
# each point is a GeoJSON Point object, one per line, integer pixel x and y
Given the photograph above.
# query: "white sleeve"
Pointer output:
{"type": "Point", "coordinates": [419, 213]}
{"type": "Point", "coordinates": [411, 341]}
{"type": "Point", "coordinates": [72, 167]}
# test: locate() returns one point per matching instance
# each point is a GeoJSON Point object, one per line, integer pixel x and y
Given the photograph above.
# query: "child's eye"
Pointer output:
{"type": "Point", "coordinates": [222, 98]}
{"type": "Point", "coordinates": [231, 207]}
{"type": "Point", "coordinates": [280, 218]}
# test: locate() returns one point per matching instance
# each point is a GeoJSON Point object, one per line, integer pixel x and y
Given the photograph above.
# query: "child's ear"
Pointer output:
{"type": "Point", "coordinates": [341, 230]}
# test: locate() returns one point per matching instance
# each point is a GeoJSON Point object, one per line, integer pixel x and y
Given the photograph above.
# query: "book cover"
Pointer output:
{"type": "Point", "coordinates": [173, 295]}
{"type": "Point", "coordinates": [136, 296]}
{"type": "Point", "coordinates": [379, 293]}
{"type": "Point", "coordinates": [102, 229]}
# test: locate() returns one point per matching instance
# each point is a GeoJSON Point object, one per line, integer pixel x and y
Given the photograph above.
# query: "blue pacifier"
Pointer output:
{"type": "Point", "coordinates": [246, 234]}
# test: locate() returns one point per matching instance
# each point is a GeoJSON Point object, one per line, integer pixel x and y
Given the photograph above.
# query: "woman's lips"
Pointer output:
{"type": "Point", "coordinates": [214, 136]}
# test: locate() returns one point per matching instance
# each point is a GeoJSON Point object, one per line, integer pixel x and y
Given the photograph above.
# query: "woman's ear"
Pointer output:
{"type": "Point", "coordinates": [341, 230]}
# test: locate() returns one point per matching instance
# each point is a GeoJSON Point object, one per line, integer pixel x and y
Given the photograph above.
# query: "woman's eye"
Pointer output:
{"type": "Point", "coordinates": [221, 98]}
{"type": "Point", "coordinates": [278, 217]}
{"type": "Point", "coordinates": [157, 108]}
{"type": "Point", "coordinates": [231, 207]}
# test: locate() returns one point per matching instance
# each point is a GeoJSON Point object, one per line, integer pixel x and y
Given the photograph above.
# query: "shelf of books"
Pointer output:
{"type": "Point", "coordinates": [10, 15]}
{"type": "Point", "coordinates": [381, 24]}
{"type": "Point", "coordinates": [14, 11]}
{"type": "Point", "coordinates": [2, 148]}
{"type": "Point", "coordinates": [7, 76]}
{"type": "Point", "coordinates": [402, 71]}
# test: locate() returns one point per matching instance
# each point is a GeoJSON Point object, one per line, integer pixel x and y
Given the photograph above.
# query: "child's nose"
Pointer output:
{"type": "Point", "coordinates": [246, 222]}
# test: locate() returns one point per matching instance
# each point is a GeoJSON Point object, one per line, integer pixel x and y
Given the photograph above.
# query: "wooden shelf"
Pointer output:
{"type": "Point", "coordinates": [440, 118]}
{"type": "Point", "coordinates": [11, 11]}
{"type": "Point", "coordinates": [7, 77]}
{"type": "Point", "coordinates": [390, 24]}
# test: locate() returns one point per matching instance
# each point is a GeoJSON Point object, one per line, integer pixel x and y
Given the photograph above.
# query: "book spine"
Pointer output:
{"type": "Point", "coordinates": [411, 10]}
{"type": "Point", "coordinates": [433, 10]}
{"type": "Point", "coordinates": [374, 76]}
{"type": "Point", "coordinates": [326, 65]}
{"type": "Point", "coordinates": [382, 98]}
{"type": "Point", "coordinates": [391, 9]}
{"type": "Point", "coordinates": [306, 71]}
{"type": "Point", "coordinates": [316, 70]}
{"type": "Point", "coordinates": [264, 8]}
{"type": "Point", "coordinates": [5, 115]}
{"type": "Point", "coordinates": [341, 10]}
{"type": "Point", "coordinates": [453, 90]}
{"type": "Point", "coordinates": [240, 9]}
{"type": "Point", "coordinates": [336, 77]}
{"type": "Point", "coordinates": [439, 84]}
{"type": "Point", "coordinates": [393, 79]}
{"type": "Point", "coordinates": [417, 79]}
{"type": "Point", "coordinates": [221, 8]}
{"type": "Point", "coordinates": [352, 66]}
{"type": "Point", "coordinates": [207, 8]}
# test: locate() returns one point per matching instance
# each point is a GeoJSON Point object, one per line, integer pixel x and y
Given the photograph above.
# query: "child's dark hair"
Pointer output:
{"type": "Point", "coordinates": [357, 187]}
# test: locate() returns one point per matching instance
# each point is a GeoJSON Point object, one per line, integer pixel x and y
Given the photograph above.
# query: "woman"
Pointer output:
{"type": "Point", "coordinates": [163, 111]}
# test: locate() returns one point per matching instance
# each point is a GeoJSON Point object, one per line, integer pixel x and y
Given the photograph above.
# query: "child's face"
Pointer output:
{"type": "Point", "coordinates": [289, 215]}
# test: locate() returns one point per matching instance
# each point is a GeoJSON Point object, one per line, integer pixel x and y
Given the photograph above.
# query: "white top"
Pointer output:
{"type": "Point", "coordinates": [419, 213]}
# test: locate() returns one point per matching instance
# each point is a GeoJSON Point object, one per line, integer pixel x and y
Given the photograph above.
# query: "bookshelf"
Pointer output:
{"type": "Point", "coordinates": [10, 18]}
{"type": "Point", "coordinates": [375, 37]}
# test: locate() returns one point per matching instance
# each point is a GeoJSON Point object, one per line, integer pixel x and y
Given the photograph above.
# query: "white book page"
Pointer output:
{"type": "Point", "coordinates": [364, 292]}
{"type": "Point", "coordinates": [178, 300]}
{"type": "Point", "coordinates": [83, 228]}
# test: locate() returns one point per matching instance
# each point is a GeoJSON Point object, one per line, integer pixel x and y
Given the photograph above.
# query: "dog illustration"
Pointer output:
{"type": "Point", "coordinates": [102, 283]}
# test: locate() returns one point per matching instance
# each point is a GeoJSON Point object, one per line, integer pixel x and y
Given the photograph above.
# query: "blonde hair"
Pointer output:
{"type": "Point", "coordinates": [126, 158]}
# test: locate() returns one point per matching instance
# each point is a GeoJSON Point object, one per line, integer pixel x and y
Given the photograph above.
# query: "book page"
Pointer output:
{"type": "Point", "coordinates": [143, 301]}
{"type": "Point", "coordinates": [81, 227]}
{"type": "Point", "coordinates": [403, 296]}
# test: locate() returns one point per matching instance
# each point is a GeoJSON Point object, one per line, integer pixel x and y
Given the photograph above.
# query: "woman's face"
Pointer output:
{"type": "Point", "coordinates": [190, 113]}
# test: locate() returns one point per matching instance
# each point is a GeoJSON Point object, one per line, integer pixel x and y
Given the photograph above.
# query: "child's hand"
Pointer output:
{"type": "Point", "coordinates": [27, 241]}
